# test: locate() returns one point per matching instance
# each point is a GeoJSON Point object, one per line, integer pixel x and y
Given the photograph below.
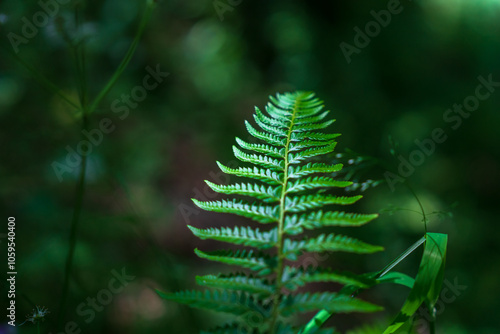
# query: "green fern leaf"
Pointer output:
{"type": "Point", "coordinates": [332, 302]}
{"type": "Point", "coordinates": [299, 136]}
{"type": "Point", "coordinates": [257, 159]}
{"type": "Point", "coordinates": [311, 108]}
{"type": "Point", "coordinates": [276, 122]}
{"type": "Point", "coordinates": [284, 105]}
{"type": "Point", "coordinates": [296, 224]}
{"type": "Point", "coordinates": [222, 301]}
{"type": "Point", "coordinates": [262, 148]}
{"type": "Point", "coordinates": [267, 194]}
{"type": "Point", "coordinates": [265, 175]}
{"type": "Point", "coordinates": [274, 130]}
{"type": "Point", "coordinates": [309, 153]}
{"type": "Point", "coordinates": [306, 202]}
{"type": "Point", "coordinates": [311, 119]}
{"type": "Point", "coordinates": [278, 113]}
{"type": "Point", "coordinates": [328, 243]}
{"type": "Point", "coordinates": [246, 259]}
{"type": "Point", "coordinates": [294, 277]}
{"type": "Point", "coordinates": [312, 168]}
{"type": "Point", "coordinates": [260, 213]}
{"type": "Point", "coordinates": [315, 182]}
{"type": "Point", "coordinates": [297, 146]}
{"type": "Point", "coordinates": [240, 282]}
{"type": "Point", "coordinates": [307, 126]}
{"type": "Point", "coordinates": [239, 236]}
{"type": "Point", "coordinates": [274, 140]}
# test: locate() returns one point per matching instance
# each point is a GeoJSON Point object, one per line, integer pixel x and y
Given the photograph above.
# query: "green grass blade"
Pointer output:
{"type": "Point", "coordinates": [428, 281]}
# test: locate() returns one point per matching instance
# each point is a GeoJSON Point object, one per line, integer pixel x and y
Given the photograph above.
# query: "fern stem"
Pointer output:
{"type": "Point", "coordinates": [281, 223]}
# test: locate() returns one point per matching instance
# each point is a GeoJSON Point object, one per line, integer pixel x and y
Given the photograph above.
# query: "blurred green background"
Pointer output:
{"type": "Point", "coordinates": [223, 58]}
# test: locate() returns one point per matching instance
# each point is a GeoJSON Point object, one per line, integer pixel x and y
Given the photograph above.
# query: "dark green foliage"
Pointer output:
{"type": "Point", "coordinates": [289, 194]}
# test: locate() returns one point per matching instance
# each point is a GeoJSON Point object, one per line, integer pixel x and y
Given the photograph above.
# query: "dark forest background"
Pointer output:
{"type": "Point", "coordinates": [222, 63]}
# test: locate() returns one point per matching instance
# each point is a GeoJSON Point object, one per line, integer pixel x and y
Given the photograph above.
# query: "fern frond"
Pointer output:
{"type": "Point", "coordinates": [289, 197]}
{"type": "Point", "coordinates": [312, 168]}
{"type": "Point", "coordinates": [274, 130]}
{"type": "Point", "coordinates": [267, 194]}
{"type": "Point", "coordinates": [240, 282]}
{"type": "Point", "coordinates": [260, 160]}
{"type": "Point", "coordinates": [332, 302]}
{"type": "Point", "coordinates": [328, 243]}
{"type": "Point", "coordinates": [282, 103]}
{"type": "Point", "coordinates": [295, 158]}
{"type": "Point", "coordinates": [260, 213]}
{"type": "Point", "coordinates": [278, 113]}
{"type": "Point", "coordinates": [294, 277]}
{"type": "Point", "coordinates": [262, 148]}
{"type": "Point", "coordinates": [265, 175]}
{"type": "Point", "coordinates": [311, 119]}
{"type": "Point", "coordinates": [306, 202]}
{"type": "Point", "coordinates": [312, 108]}
{"type": "Point", "coordinates": [260, 263]}
{"type": "Point", "coordinates": [222, 301]}
{"type": "Point", "coordinates": [239, 236]}
{"type": "Point", "coordinates": [272, 121]}
{"type": "Point", "coordinates": [315, 182]}
{"type": "Point", "coordinates": [297, 146]}
{"type": "Point", "coordinates": [268, 138]}
{"type": "Point", "coordinates": [308, 126]}
{"type": "Point", "coordinates": [298, 136]}
{"type": "Point", "coordinates": [296, 224]}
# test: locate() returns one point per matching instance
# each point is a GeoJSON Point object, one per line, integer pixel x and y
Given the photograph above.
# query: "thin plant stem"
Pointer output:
{"type": "Point", "coordinates": [128, 56]}
{"type": "Point", "coordinates": [419, 204]}
{"type": "Point", "coordinates": [80, 190]}
{"type": "Point", "coordinates": [79, 54]}
{"type": "Point", "coordinates": [432, 320]}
